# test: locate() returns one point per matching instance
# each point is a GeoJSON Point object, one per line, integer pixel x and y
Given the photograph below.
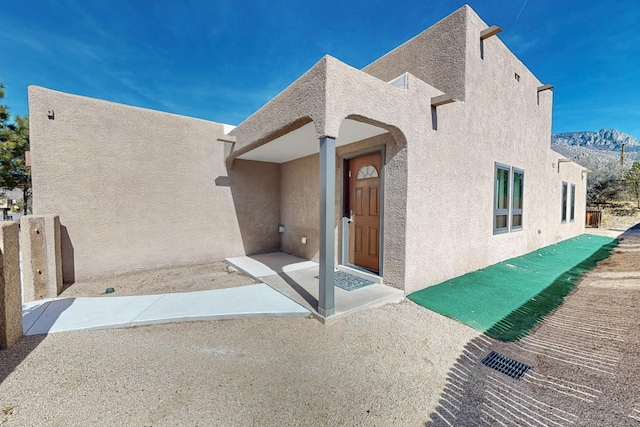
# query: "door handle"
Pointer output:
{"type": "Point", "coordinates": [350, 216]}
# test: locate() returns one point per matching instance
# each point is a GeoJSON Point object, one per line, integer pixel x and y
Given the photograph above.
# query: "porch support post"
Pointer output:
{"type": "Point", "coordinates": [326, 303]}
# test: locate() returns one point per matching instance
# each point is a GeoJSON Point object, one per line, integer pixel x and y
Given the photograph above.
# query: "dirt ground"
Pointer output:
{"type": "Point", "coordinates": [216, 275]}
{"type": "Point", "coordinates": [583, 359]}
{"type": "Point", "coordinates": [397, 365]}
{"type": "Point", "coordinates": [620, 215]}
{"type": "Point", "coordinates": [384, 367]}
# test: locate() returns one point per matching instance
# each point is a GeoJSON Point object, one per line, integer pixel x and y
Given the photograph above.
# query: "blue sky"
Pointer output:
{"type": "Point", "coordinates": [221, 60]}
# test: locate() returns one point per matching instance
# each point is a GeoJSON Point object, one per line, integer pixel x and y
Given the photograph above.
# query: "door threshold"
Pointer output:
{"type": "Point", "coordinates": [357, 271]}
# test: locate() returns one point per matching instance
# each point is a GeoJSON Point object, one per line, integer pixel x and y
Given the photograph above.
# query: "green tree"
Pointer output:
{"type": "Point", "coordinates": [632, 181]}
{"type": "Point", "coordinates": [14, 142]}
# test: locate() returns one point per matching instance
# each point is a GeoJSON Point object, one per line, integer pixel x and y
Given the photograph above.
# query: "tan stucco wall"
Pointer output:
{"type": "Point", "coordinates": [138, 189]}
{"type": "Point", "coordinates": [436, 56]}
{"type": "Point", "coordinates": [451, 174]}
{"type": "Point", "coordinates": [255, 187]}
{"type": "Point", "coordinates": [301, 102]}
{"type": "Point", "coordinates": [300, 206]}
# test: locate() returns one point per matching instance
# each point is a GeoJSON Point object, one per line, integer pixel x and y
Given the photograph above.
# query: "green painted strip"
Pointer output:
{"type": "Point", "coordinates": [506, 300]}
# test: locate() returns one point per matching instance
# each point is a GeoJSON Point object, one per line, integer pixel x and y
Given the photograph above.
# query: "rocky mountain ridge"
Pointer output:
{"type": "Point", "coordinates": [604, 139]}
{"type": "Point", "coordinates": [600, 152]}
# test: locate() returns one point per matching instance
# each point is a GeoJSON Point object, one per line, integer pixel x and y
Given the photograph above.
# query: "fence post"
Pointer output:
{"type": "Point", "coordinates": [41, 256]}
{"type": "Point", "coordinates": [10, 292]}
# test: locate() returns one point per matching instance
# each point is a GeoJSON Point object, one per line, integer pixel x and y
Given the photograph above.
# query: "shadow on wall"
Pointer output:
{"type": "Point", "coordinates": [255, 189]}
{"type": "Point", "coordinates": [68, 263]}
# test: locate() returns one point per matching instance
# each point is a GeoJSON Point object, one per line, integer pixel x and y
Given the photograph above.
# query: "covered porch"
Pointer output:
{"type": "Point", "coordinates": [338, 139]}
{"type": "Point", "coordinates": [332, 218]}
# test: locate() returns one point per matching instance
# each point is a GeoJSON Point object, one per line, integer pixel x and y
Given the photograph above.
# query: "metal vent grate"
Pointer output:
{"type": "Point", "coordinates": [505, 364]}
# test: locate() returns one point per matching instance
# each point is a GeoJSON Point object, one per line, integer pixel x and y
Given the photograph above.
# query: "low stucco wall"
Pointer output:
{"type": "Point", "coordinates": [138, 189]}
{"type": "Point", "coordinates": [40, 247]}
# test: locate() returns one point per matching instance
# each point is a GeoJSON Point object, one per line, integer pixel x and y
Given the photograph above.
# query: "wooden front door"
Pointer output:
{"type": "Point", "coordinates": [364, 210]}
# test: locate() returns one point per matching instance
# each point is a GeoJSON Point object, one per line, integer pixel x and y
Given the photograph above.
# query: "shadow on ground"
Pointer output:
{"type": "Point", "coordinates": [583, 356]}
{"type": "Point", "coordinates": [12, 357]}
{"type": "Point", "coordinates": [508, 299]}
{"type": "Point", "coordinates": [523, 320]}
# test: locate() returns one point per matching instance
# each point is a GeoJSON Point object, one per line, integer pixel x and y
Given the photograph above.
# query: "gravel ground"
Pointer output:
{"type": "Point", "coordinates": [397, 365]}
{"type": "Point", "coordinates": [202, 277]}
{"type": "Point", "coordinates": [583, 358]}
{"type": "Point", "coordinates": [379, 367]}
{"type": "Point", "coordinates": [620, 216]}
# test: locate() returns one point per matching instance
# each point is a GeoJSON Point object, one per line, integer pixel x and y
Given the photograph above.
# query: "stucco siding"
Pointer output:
{"type": "Point", "coordinates": [134, 188]}
{"type": "Point", "coordinates": [301, 102]}
{"type": "Point", "coordinates": [451, 172]}
{"type": "Point", "coordinates": [139, 189]}
{"type": "Point", "coordinates": [300, 206]}
{"type": "Point", "coordinates": [436, 56]}
{"type": "Point", "coordinates": [255, 188]}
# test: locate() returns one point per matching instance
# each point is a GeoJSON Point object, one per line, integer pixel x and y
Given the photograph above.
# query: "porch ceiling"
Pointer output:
{"type": "Point", "coordinates": [303, 142]}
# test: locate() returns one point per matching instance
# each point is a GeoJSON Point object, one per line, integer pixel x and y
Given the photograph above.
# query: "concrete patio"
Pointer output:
{"type": "Point", "coordinates": [297, 279]}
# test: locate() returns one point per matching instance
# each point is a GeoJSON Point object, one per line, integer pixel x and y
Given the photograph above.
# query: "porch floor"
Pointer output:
{"type": "Point", "coordinates": [296, 278]}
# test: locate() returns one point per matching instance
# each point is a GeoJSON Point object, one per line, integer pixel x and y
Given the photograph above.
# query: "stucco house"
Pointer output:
{"type": "Point", "coordinates": [432, 161]}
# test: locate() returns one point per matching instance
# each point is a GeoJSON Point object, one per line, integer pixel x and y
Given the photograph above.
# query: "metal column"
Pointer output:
{"type": "Point", "coordinates": [326, 303]}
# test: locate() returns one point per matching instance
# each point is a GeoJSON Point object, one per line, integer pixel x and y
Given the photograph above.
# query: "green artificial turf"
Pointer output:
{"type": "Point", "coordinates": [506, 300]}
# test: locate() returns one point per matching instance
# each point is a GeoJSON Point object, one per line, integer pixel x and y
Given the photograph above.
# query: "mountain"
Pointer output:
{"type": "Point", "coordinates": [605, 139]}
{"type": "Point", "coordinates": [599, 151]}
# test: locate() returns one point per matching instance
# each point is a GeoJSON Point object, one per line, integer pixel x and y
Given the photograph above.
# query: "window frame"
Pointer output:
{"type": "Point", "coordinates": [572, 204]}
{"type": "Point", "coordinates": [564, 200]}
{"type": "Point", "coordinates": [520, 210]}
{"type": "Point", "coordinates": [501, 212]}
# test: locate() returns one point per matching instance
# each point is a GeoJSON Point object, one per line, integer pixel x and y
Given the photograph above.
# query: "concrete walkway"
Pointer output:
{"type": "Point", "coordinates": [75, 314]}
{"type": "Point", "coordinates": [289, 289]}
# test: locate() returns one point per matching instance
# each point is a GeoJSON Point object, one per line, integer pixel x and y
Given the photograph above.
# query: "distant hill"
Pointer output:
{"type": "Point", "coordinates": [600, 152]}
{"type": "Point", "coordinates": [596, 150]}
{"type": "Point", "coordinates": [604, 139]}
